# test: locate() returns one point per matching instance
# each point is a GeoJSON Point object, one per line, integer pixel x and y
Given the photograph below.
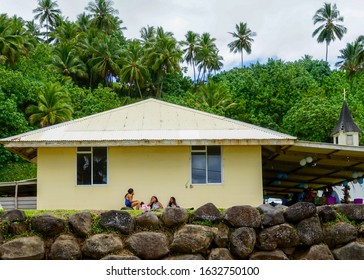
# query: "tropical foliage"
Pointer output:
{"type": "Point", "coordinates": [53, 69]}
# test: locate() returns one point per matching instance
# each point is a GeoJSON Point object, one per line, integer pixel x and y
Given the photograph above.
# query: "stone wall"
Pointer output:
{"type": "Point", "coordinates": [301, 231]}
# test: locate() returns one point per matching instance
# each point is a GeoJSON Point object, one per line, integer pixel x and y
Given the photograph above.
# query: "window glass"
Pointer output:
{"type": "Point", "coordinates": [84, 169]}
{"type": "Point", "coordinates": [99, 166]}
{"type": "Point", "coordinates": [198, 168]}
{"type": "Point", "coordinates": [206, 164]}
{"type": "Point", "coordinates": [91, 166]}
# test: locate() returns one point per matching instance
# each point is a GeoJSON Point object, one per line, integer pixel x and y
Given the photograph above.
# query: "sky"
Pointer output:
{"type": "Point", "coordinates": [284, 27]}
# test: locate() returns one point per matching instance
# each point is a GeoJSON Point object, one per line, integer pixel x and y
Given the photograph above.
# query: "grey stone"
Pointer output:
{"type": "Point", "coordinates": [326, 213]}
{"type": "Point", "coordinates": [191, 239]}
{"type": "Point", "coordinates": [119, 220]}
{"type": "Point", "coordinates": [48, 225]}
{"type": "Point", "coordinates": [220, 254]}
{"type": "Point", "coordinates": [100, 245]}
{"type": "Point", "coordinates": [13, 216]}
{"type": "Point", "coordinates": [351, 251]}
{"type": "Point", "coordinates": [222, 236]}
{"type": "Point", "coordinates": [206, 212]}
{"type": "Point", "coordinates": [353, 212]}
{"type": "Point", "coordinates": [147, 220]}
{"type": "Point", "coordinates": [186, 257]}
{"type": "Point", "coordinates": [309, 231]}
{"type": "Point", "coordinates": [271, 215]}
{"type": "Point", "coordinates": [243, 216]}
{"type": "Point", "coordinates": [242, 242]}
{"type": "Point", "coordinates": [148, 245]}
{"type": "Point", "coordinates": [361, 231]}
{"type": "Point", "coordinates": [339, 234]}
{"type": "Point", "coordinates": [269, 255]}
{"type": "Point", "coordinates": [316, 252]}
{"type": "Point", "coordinates": [172, 217]}
{"type": "Point", "coordinates": [299, 211]}
{"type": "Point", "coordinates": [279, 236]}
{"type": "Point", "coordinates": [23, 248]}
{"type": "Point", "coordinates": [120, 257]}
{"type": "Point", "coordinates": [81, 223]}
{"type": "Point", "coordinates": [65, 247]}
{"type": "Point", "coordinates": [18, 228]}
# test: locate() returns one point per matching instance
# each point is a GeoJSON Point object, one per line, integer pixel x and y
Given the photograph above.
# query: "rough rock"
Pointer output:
{"type": "Point", "coordinates": [48, 225]}
{"type": "Point", "coordinates": [299, 211]}
{"type": "Point", "coordinates": [206, 212]}
{"type": "Point", "coordinates": [220, 254]}
{"type": "Point", "coordinates": [192, 239]}
{"type": "Point", "coordinates": [271, 215]}
{"type": "Point", "coordinates": [1, 236]}
{"type": "Point", "coordinates": [100, 245]}
{"type": "Point", "coordinates": [309, 231]}
{"type": "Point", "coordinates": [269, 255]}
{"type": "Point", "coordinates": [147, 220]}
{"type": "Point", "coordinates": [222, 236]}
{"type": "Point", "coordinates": [23, 248]}
{"type": "Point", "coordinates": [351, 251]}
{"type": "Point", "coordinates": [120, 257]}
{"type": "Point", "coordinates": [13, 216]}
{"type": "Point", "coordinates": [242, 242]}
{"type": "Point", "coordinates": [326, 213]}
{"type": "Point", "coordinates": [148, 245]}
{"type": "Point", "coordinates": [65, 248]}
{"type": "Point", "coordinates": [339, 234]}
{"type": "Point", "coordinates": [316, 252]}
{"type": "Point", "coordinates": [81, 223]}
{"type": "Point", "coordinates": [243, 216]}
{"type": "Point", "coordinates": [279, 236]}
{"type": "Point", "coordinates": [354, 212]}
{"type": "Point", "coordinates": [361, 231]}
{"type": "Point", "coordinates": [18, 228]}
{"type": "Point", "coordinates": [119, 220]}
{"type": "Point", "coordinates": [172, 217]}
{"type": "Point", "coordinates": [186, 257]}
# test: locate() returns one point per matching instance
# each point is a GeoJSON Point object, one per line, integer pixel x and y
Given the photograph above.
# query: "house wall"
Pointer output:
{"type": "Point", "coordinates": [160, 171]}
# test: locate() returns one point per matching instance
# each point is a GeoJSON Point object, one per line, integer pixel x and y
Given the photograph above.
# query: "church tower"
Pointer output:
{"type": "Point", "coordinates": [346, 131]}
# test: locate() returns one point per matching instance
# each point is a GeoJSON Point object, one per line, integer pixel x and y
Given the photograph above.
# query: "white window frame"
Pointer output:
{"type": "Point", "coordinates": [90, 151]}
{"type": "Point", "coordinates": [206, 164]}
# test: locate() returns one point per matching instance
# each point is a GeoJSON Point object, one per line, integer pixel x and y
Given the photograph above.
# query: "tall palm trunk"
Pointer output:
{"type": "Point", "coordinates": [327, 49]}
{"type": "Point", "coordinates": [242, 59]}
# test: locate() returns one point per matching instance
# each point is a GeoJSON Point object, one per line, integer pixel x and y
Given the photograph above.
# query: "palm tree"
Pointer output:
{"type": "Point", "coordinates": [133, 71]}
{"type": "Point", "coordinates": [191, 43]}
{"type": "Point", "coordinates": [164, 56]}
{"type": "Point", "coordinates": [11, 43]}
{"type": "Point", "coordinates": [352, 58]}
{"type": "Point", "coordinates": [207, 58]}
{"type": "Point", "coordinates": [329, 17]}
{"type": "Point", "coordinates": [105, 52]}
{"type": "Point", "coordinates": [214, 96]}
{"type": "Point", "coordinates": [47, 11]}
{"type": "Point", "coordinates": [53, 106]}
{"type": "Point", "coordinates": [104, 16]}
{"type": "Point", "coordinates": [67, 63]}
{"type": "Point", "coordinates": [244, 38]}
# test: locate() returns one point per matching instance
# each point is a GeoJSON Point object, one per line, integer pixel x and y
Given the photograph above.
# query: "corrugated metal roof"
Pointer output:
{"type": "Point", "coordinates": [149, 120]}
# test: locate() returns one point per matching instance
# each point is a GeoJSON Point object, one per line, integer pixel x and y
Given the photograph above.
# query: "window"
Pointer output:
{"type": "Point", "coordinates": [206, 165]}
{"type": "Point", "coordinates": [91, 166]}
{"type": "Point", "coordinates": [349, 139]}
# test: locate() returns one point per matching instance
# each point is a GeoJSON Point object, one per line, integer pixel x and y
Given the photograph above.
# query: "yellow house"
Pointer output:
{"type": "Point", "coordinates": [157, 148]}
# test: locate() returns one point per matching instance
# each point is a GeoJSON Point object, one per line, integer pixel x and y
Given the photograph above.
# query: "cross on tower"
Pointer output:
{"type": "Point", "coordinates": [344, 95]}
